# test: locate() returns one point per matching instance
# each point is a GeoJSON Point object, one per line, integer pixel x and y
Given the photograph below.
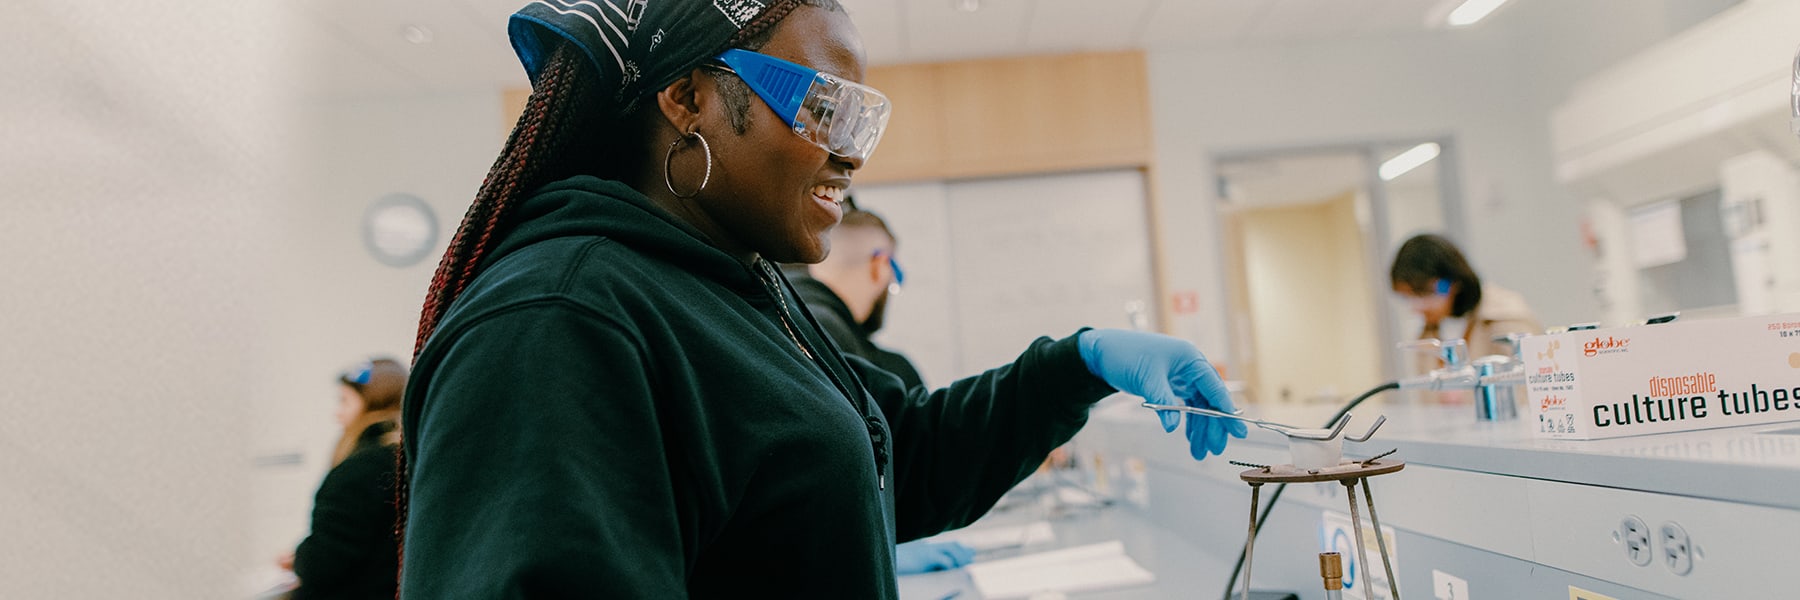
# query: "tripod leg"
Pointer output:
{"type": "Point", "coordinates": [1362, 554]}
{"type": "Point", "coordinates": [1380, 542]}
{"type": "Point", "coordinates": [1250, 541]}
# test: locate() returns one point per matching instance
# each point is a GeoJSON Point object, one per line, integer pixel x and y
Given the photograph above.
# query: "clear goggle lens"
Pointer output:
{"type": "Point", "coordinates": [843, 117]}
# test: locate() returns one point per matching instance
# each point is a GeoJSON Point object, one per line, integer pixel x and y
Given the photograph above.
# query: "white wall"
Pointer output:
{"type": "Point", "coordinates": [334, 304]}
{"type": "Point", "coordinates": [1559, 43]}
{"type": "Point", "coordinates": [140, 168]}
{"type": "Point", "coordinates": [1489, 88]}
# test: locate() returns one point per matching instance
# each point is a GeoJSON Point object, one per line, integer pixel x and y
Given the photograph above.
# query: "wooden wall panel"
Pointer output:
{"type": "Point", "coordinates": [910, 148]}
{"type": "Point", "coordinates": [1011, 116]}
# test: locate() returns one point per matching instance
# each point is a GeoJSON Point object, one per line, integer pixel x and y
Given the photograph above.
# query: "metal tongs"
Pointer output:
{"type": "Point", "coordinates": [1304, 433]}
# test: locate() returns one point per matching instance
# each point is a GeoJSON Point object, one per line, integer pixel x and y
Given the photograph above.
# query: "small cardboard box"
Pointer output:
{"type": "Point", "coordinates": [1607, 383]}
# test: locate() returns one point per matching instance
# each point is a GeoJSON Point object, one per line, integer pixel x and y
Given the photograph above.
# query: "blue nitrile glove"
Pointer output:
{"type": "Point", "coordinates": [922, 556]}
{"type": "Point", "coordinates": [1164, 370]}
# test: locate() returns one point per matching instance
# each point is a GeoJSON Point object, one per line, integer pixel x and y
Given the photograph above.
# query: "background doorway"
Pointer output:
{"type": "Point", "coordinates": [1308, 238]}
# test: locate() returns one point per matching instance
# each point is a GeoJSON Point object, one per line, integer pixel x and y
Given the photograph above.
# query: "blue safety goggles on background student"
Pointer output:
{"type": "Point", "coordinates": [843, 117]}
{"type": "Point", "coordinates": [358, 374]}
{"type": "Point", "coordinates": [899, 275]}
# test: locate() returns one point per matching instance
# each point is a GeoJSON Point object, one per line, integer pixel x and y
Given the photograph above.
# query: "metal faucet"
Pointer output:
{"type": "Point", "coordinates": [1497, 398]}
{"type": "Point", "coordinates": [1502, 376]}
{"type": "Point", "coordinates": [1454, 374]}
{"type": "Point", "coordinates": [1495, 379]}
{"type": "Point", "coordinates": [1454, 353]}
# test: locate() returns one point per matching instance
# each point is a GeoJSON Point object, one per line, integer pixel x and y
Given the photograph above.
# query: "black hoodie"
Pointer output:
{"type": "Point", "coordinates": [834, 318]}
{"type": "Point", "coordinates": [615, 408]}
{"type": "Point", "coordinates": [350, 553]}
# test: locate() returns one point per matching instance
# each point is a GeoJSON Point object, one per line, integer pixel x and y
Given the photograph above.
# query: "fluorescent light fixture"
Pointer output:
{"type": "Point", "coordinates": [1472, 11]}
{"type": "Point", "coordinates": [1408, 160]}
{"type": "Point", "coordinates": [417, 34]}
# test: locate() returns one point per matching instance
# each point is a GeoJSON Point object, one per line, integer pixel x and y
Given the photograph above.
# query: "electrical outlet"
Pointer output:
{"type": "Point", "coordinates": [1677, 549]}
{"type": "Point", "coordinates": [1635, 535]}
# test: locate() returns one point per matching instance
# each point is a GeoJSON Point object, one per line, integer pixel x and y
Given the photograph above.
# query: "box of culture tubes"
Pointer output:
{"type": "Point", "coordinates": [1681, 376]}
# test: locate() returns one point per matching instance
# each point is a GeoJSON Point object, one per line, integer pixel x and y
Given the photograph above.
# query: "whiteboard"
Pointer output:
{"type": "Point", "coordinates": [920, 320]}
{"type": "Point", "coordinates": [992, 264]}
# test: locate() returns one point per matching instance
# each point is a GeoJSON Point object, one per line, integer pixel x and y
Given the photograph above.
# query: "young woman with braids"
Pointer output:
{"type": "Point", "coordinates": [616, 394]}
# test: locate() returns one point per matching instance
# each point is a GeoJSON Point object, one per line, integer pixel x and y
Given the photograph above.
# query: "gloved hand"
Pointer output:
{"type": "Point", "coordinates": [1164, 370]}
{"type": "Point", "coordinates": [922, 556]}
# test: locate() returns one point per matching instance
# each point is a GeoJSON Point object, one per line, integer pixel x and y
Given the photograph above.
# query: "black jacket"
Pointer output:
{"type": "Point", "coordinates": [351, 552]}
{"type": "Point", "coordinates": [835, 319]}
{"type": "Point", "coordinates": [614, 408]}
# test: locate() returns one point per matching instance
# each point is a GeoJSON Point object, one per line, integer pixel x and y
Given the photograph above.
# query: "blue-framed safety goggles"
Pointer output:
{"type": "Point", "coordinates": [899, 275]}
{"type": "Point", "coordinates": [843, 117]}
{"type": "Point", "coordinates": [358, 374]}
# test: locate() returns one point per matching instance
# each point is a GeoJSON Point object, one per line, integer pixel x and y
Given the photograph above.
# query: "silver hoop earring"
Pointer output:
{"type": "Point", "coordinates": [669, 158]}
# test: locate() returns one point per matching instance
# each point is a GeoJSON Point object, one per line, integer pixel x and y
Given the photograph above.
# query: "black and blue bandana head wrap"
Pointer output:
{"type": "Point", "coordinates": [636, 46]}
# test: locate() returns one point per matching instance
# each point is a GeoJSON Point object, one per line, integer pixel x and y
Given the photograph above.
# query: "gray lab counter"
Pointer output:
{"type": "Point", "coordinates": [1509, 515]}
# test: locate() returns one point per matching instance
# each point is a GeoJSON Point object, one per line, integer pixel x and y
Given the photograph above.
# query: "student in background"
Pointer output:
{"type": "Point", "coordinates": [1438, 284]}
{"type": "Point", "coordinates": [847, 294]}
{"type": "Point", "coordinates": [352, 551]}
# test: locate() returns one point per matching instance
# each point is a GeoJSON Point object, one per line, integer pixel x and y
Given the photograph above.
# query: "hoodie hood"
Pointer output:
{"type": "Point", "coordinates": [587, 206]}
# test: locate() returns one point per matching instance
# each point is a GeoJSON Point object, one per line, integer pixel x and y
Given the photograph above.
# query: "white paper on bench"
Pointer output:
{"type": "Point", "coordinates": [1078, 569]}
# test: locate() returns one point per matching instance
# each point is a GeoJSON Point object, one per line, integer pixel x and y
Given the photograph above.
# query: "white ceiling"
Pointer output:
{"type": "Point", "coordinates": [359, 47]}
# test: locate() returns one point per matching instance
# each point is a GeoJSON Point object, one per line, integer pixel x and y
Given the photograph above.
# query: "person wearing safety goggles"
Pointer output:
{"type": "Point", "coordinates": [617, 394]}
{"type": "Point", "coordinates": [843, 117]}
{"type": "Point", "coordinates": [351, 551]}
{"type": "Point", "coordinates": [847, 293]}
{"type": "Point", "coordinates": [1434, 280]}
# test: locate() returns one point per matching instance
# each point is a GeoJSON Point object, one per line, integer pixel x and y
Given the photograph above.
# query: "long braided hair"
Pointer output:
{"type": "Point", "coordinates": [557, 135]}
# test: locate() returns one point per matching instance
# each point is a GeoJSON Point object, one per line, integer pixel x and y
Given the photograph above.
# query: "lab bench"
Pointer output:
{"type": "Point", "coordinates": [1508, 515]}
